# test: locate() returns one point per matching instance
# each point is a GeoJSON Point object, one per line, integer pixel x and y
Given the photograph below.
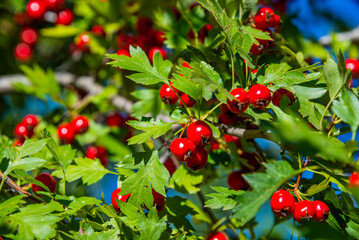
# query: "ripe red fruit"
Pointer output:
{"type": "Point", "coordinates": [304, 210]}
{"type": "Point", "coordinates": [36, 9]}
{"type": "Point", "coordinates": [253, 160]}
{"type": "Point", "coordinates": [80, 124]}
{"type": "Point", "coordinates": [282, 203]}
{"type": "Point", "coordinates": [185, 98]}
{"type": "Point", "coordinates": [279, 93]}
{"type": "Point", "coordinates": [214, 146]}
{"type": "Point", "coordinates": [170, 165]}
{"type": "Point", "coordinates": [236, 181]}
{"type": "Point", "coordinates": [66, 133]}
{"type": "Point", "coordinates": [259, 48]}
{"type": "Point", "coordinates": [168, 96]}
{"type": "Point", "coordinates": [55, 4]}
{"type": "Point", "coordinates": [240, 103]}
{"type": "Point", "coordinates": [199, 133]}
{"type": "Point", "coordinates": [124, 41]}
{"type": "Point", "coordinates": [65, 17]}
{"type": "Point", "coordinates": [353, 65]}
{"type": "Point", "coordinates": [230, 138]}
{"type": "Point", "coordinates": [154, 50]}
{"type": "Point", "coordinates": [18, 142]}
{"type": "Point", "coordinates": [144, 24]}
{"type": "Point", "coordinates": [159, 37]}
{"type": "Point", "coordinates": [115, 196]}
{"type": "Point", "coordinates": [264, 18]}
{"type": "Point", "coordinates": [22, 52]}
{"type": "Point", "coordinates": [203, 32]}
{"type": "Point", "coordinates": [97, 152]}
{"type": "Point", "coordinates": [217, 236]}
{"type": "Point", "coordinates": [182, 149]}
{"type": "Point", "coordinates": [259, 96]}
{"type": "Point", "coordinates": [98, 30]}
{"type": "Point", "coordinates": [123, 52]}
{"type": "Point", "coordinates": [114, 120]}
{"type": "Point", "coordinates": [199, 159]}
{"type": "Point", "coordinates": [275, 20]}
{"type": "Point", "coordinates": [21, 130]}
{"type": "Point", "coordinates": [158, 200]}
{"type": "Point", "coordinates": [28, 35]}
{"type": "Point", "coordinates": [47, 180]}
{"type": "Point", "coordinates": [321, 211]}
{"type": "Point", "coordinates": [354, 180]}
{"type": "Point", "coordinates": [82, 41]}
{"type": "Point", "coordinates": [30, 121]}
{"type": "Point", "coordinates": [228, 119]}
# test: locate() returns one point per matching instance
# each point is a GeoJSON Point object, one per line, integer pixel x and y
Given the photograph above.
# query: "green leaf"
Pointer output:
{"type": "Point", "coordinates": [184, 84]}
{"type": "Point", "coordinates": [138, 62]}
{"type": "Point", "coordinates": [152, 175]}
{"type": "Point", "coordinates": [150, 102]}
{"type": "Point", "coordinates": [308, 93]}
{"type": "Point", "coordinates": [256, 34]}
{"type": "Point", "coordinates": [27, 164]}
{"type": "Point", "coordinates": [316, 188]}
{"type": "Point", "coordinates": [224, 198]}
{"type": "Point", "coordinates": [151, 227]}
{"type": "Point", "coordinates": [11, 205]}
{"type": "Point", "coordinates": [264, 185]}
{"type": "Point", "coordinates": [185, 181]}
{"type": "Point", "coordinates": [60, 31]}
{"type": "Point", "coordinates": [274, 73]}
{"type": "Point", "coordinates": [153, 128]}
{"type": "Point", "coordinates": [332, 78]}
{"type": "Point", "coordinates": [31, 147]}
{"type": "Point", "coordinates": [177, 210]}
{"type": "Point", "coordinates": [113, 146]}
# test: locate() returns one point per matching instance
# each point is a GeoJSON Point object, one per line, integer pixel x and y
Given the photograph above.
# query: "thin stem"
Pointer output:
{"type": "Point", "coordinates": [64, 183]}
{"type": "Point", "coordinates": [2, 182]}
{"type": "Point", "coordinates": [210, 111]}
{"type": "Point", "coordinates": [327, 107]}
{"type": "Point", "coordinates": [231, 226]}
{"type": "Point", "coordinates": [232, 62]}
{"type": "Point", "coordinates": [184, 128]}
{"type": "Point", "coordinates": [331, 125]}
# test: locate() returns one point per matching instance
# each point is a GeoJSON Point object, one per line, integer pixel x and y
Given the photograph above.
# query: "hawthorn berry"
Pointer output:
{"type": "Point", "coordinates": [241, 101]}
{"type": "Point", "coordinates": [259, 96]}
{"type": "Point", "coordinates": [321, 211]}
{"type": "Point", "coordinates": [203, 32]}
{"type": "Point", "coordinates": [279, 93]}
{"type": "Point", "coordinates": [253, 160]}
{"type": "Point", "coordinates": [124, 41]}
{"type": "Point", "coordinates": [353, 65]}
{"type": "Point", "coordinates": [236, 181]}
{"type": "Point", "coordinates": [115, 119]}
{"type": "Point", "coordinates": [91, 152]}
{"type": "Point", "coordinates": [217, 236]}
{"type": "Point", "coordinates": [354, 180]}
{"type": "Point", "coordinates": [214, 146]}
{"type": "Point", "coordinates": [80, 124]}
{"type": "Point", "coordinates": [18, 142]}
{"type": "Point", "coordinates": [154, 50]}
{"type": "Point", "coordinates": [227, 117]}
{"type": "Point", "coordinates": [144, 24]}
{"type": "Point", "coordinates": [36, 9]}
{"type": "Point", "coordinates": [22, 52]}
{"type": "Point", "coordinates": [65, 17]}
{"type": "Point", "coordinates": [159, 37]}
{"type": "Point", "coordinates": [55, 4]}
{"type": "Point", "coordinates": [182, 148]}
{"type": "Point", "coordinates": [264, 18]}
{"type": "Point", "coordinates": [230, 138]}
{"type": "Point", "coordinates": [21, 131]}
{"type": "Point", "coordinates": [186, 100]}
{"type": "Point", "coordinates": [115, 196]}
{"type": "Point", "coordinates": [168, 96]}
{"type": "Point", "coordinates": [97, 152]}
{"type": "Point", "coordinates": [123, 52]}
{"type": "Point", "coordinates": [30, 121]}
{"type": "Point", "coordinates": [259, 48]}
{"type": "Point", "coordinates": [47, 180]}
{"type": "Point", "coordinates": [28, 35]}
{"type": "Point", "coordinates": [66, 133]}
{"type": "Point", "coordinates": [304, 210]}
{"type": "Point", "coordinates": [158, 200]}
{"type": "Point", "coordinates": [170, 166]}
{"type": "Point", "coordinates": [198, 160]}
{"type": "Point", "coordinates": [199, 133]}
{"type": "Point", "coordinates": [82, 41]}
{"type": "Point", "coordinates": [282, 203]}
{"type": "Point", "coordinates": [98, 30]}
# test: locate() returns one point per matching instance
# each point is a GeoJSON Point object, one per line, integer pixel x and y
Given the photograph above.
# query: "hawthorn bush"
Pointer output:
{"type": "Point", "coordinates": [207, 113]}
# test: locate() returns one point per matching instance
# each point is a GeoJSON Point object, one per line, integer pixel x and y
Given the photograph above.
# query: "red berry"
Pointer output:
{"type": "Point", "coordinates": [154, 50]}
{"type": "Point", "coordinates": [28, 35]}
{"type": "Point", "coordinates": [36, 9]}
{"type": "Point", "coordinates": [279, 93]}
{"type": "Point", "coordinates": [144, 24]}
{"type": "Point", "coordinates": [185, 98]}
{"type": "Point", "coordinates": [185, 64]}
{"type": "Point", "coordinates": [18, 142]}
{"type": "Point", "coordinates": [82, 41]}
{"type": "Point", "coordinates": [168, 96]}
{"type": "Point", "coordinates": [91, 152]}
{"type": "Point", "coordinates": [354, 180]}
{"type": "Point", "coordinates": [170, 165]}
{"type": "Point", "coordinates": [30, 121]}
{"type": "Point", "coordinates": [102, 155]}
{"type": "Point", "coordinates": [47, 180]}
{"type": "Point", "coordinates": [159, 37]}
{"type": "Point", "coordinates": [236, 181]}
{"type": "Point", "coordinates": [115, 120]}
{"type": "Point", "coordinates": [182, 149]}
{"type": "Point", "coordinates": [123, 52]}
{"type": "Point", "coordinates": [240, 103]}
{"type": "Point", "coordinates": [124, 41]}
{"type": "Point", "coordinates": [158, 200]}
{"type": "Point", "coordinates": [275, 21]}
{"type": "Point", "coordinates": [230, 138]}
{"type": "Point", "coordinates": [22, 52]}
{"type": "Point", "coordinates": [115, 196]}
{"type": "Point", "coordinates": [259, 96]}
{"type": "Point", "coordinates": [353, 65]}
{"type": "Point", "coordinates": [264, 18]}
{"type": "Point", "coordinates": [199, 159]}
{"type": "Point", "coordinates": [98, 30]}
{"type": "Point", "coordinates": [66, 133]}
{"type": "Point", "coordinates": [253, 160]}
{"type": "Point", "coordinates": [304, 210]}
{"type": "Point", "coordinates": [199, 133]}
{"type": "Point", "coordinates": [80, 124]}
{"type": "Point", "coordinates": [282, 203]}
{"type": "Point", "coordinates": [321, 211]}
{"type": "Point", "coordinates": [259, 48]}
{"type": "Point", "coordinates": [21, 130]}
{"type": "Point", "coordinates": [65, 17]}
{"type": "Point", "coordinates": [227, 117]}
{"type": "Point", "coordinates": [55, 4]}
{"type": "Point", "coordinates": [217, 236]}
{"type": "Point", "coordinates": [214, 146]}
{"type": "Point", "coordinates": [203, 32]}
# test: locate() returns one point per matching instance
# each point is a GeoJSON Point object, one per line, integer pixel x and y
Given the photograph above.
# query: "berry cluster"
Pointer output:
{"type": "Point", "coordinates": [354, 180]}
{"type": "Point", "coordinates": [99, 152]}
{"type": "Point", "coordinates": [67, 131]}
{"type": "Point", "coordinates": [25, 129]}
{"type": "Point", "coordinates": [283, 204]}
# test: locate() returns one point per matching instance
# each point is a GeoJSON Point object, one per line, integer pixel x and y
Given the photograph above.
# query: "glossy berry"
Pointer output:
{"type": "Point", "coordinates": [199, 133]}
{"type": "Point", "coordinates": [115, 196]}
{"type": "Point", "coordinates": [65, 17]}
{"type": "Point", "coordinates": [18, 142]}
{"type": "Point", "coordinates": [282, 203]}
{"type": "Point", "coordinates": [144, 24]}
{"type": "Point", "coordinates": [170, 166]}
{"type": "Point", "coordinates": [97, 152]}
{"type": "Point", "coordinates": [304, 210]}
{"type": "Point", "coordinates": [168, 96]}
{"type": "Point", "coordinates": [321, 211]}
{"type": "Point", "coordinates": [21, 131]}
{"type": "Point", "coordinates": [217, 236]}
{"type": "Point", "coordinates": [159, 37]}
{"type": "Point", "coordinates": [353, 65]}
{"type": "Point", "coordinates": [158, 200]}
{"type": "Point", "coordinates": [259, 96]}
{"type": "Point", "coordinates": [98, 30]}
{"type": "Point", "coordinates": [66, 133]}
{"type": "Point", "coordinates": [182, 148]}
{"type": "Point", "coordinates": [154, 50]}
{"type": "Point", "coordinates": [124, 41]}
{"type": "Point", "coordinates": [279, 93]}
{"type": "Point", "coordinates": [55, 4]}
{"type": "Point", "coordinates": [23, 52]}
{"type": "Point", "coordinates": [236, 181]}
{"type": "Point", "coordinates": [115, 120]}
{"type": "Point", "coordinates": [264, 18]}
{"type": "Point", "coordinates": [259, 48]}
{"type": "Point", "coordinates": [214, 146]}
{"type": "Point", "coordinates": [80, 124]}
{"type": "Point", "coordinates": [275, 21]}
{"type": "Point", "coordinates": [123, 52]}
{"type": "Point", "coordinates": [230, 138]}
{"type": "Point", "coordinates": [186, 100]}
{"type": "Point", "coordinates": [30, 121]}
{"type": "Point", "coordinates": [47, 180]}
{"type": "Point", "coordinates": [36, 9]}
{"type": "Point", "coordinates": [91, 152]}
{"type": "Point", "coordinates": [240, 103]}
{"type": "Point", "coordinates": [199, 159]}
{"type": "Point", "coordinates": [227, 117]}
{"type": "Point", "coordinates": [29, 36]}
{"type": "Point", "coordinates": [354, 180]}
{"type": "Point", "coordinates": [82, 41]}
